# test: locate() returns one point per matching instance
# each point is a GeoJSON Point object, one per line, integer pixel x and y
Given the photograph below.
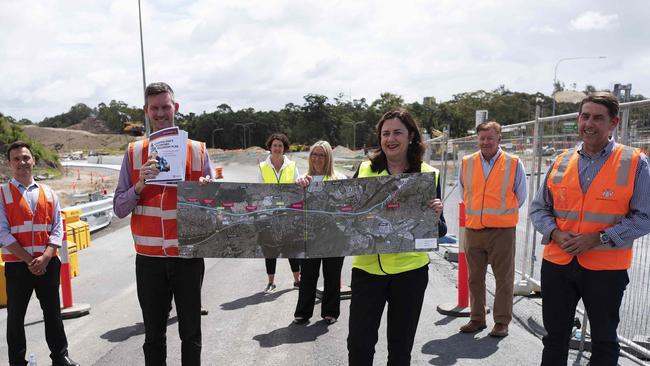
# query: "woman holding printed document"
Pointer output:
{"type": "Point", "coordinates": [398, 279]}
{"type": "Point", "coordinates": [277, 169]}
{"type": "Point", "coordinates": [321, 168]}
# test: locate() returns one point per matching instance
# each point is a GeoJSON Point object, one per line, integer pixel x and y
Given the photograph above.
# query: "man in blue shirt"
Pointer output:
{"type": "Point", "coordinates": [30, 233]}
{"type": "Point", "coordinates": [588, 243]}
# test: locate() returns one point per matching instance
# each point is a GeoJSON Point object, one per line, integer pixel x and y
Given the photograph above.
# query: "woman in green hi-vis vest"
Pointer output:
{"type": "Point", "coordinates": [278, 169]}
{"type": "Point", "coordinates": [398, 279]}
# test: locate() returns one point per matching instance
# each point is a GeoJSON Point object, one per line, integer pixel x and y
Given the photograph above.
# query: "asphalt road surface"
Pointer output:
{"type": "Point", "coordinates": [246, 327]}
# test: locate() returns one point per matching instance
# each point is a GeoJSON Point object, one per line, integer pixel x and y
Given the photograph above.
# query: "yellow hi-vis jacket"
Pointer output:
{"type": "Point", "coordinates": [392, 263]}
{"type": "Point", "coordinates": [286, 175]}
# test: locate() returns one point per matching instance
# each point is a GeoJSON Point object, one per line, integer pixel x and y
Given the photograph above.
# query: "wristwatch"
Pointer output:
{"type": "Point", "coordinates": [604, 238]}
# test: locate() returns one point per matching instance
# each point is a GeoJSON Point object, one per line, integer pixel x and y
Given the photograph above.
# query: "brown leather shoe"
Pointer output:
{"type": "Point", "coordinates": [499, 330]}
{"type": "Point", "coordinates": [473, 326]}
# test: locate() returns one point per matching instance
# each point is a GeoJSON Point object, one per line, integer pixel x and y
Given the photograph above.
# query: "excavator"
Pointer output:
{"type": "Point", "coordinates": [133, 128]}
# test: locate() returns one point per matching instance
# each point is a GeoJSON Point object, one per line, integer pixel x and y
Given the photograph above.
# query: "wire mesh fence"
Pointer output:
{"type": "Point", "coordinates": [538, 143]}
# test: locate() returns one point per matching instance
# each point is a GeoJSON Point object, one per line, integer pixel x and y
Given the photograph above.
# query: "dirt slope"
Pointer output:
{"type": "Point", "coordinates": [74, 140]}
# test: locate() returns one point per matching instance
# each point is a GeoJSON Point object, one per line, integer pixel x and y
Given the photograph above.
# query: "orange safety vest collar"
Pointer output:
{"type": "Point", "coordinates": [490, 200]}
{"type": "Point", "coordinates": [605, 204]}
{"type": "Point", "coordinates": [153, 221]}
{"type": "Point", "coordinates": [30, 229]}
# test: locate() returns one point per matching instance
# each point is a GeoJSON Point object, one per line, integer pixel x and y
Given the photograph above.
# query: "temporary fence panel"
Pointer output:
{"type": "Point", "coordinates": [538, 148]}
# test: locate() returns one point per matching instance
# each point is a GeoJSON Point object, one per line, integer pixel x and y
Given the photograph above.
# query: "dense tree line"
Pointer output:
{"type": "Point", "coordinates": [338, 120]}
{"type": "Point", "coordinates": [10, 131]}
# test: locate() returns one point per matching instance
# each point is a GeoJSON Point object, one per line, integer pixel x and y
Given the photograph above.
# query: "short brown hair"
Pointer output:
{"type": "Point", "coordinates": [606, 99]}
{"type": "Point", "coordinates": [158, 88]}
{"type": "Point", "coordinates": [491, 125]}
{"type": "Point", "coordinates": [278, 136]}
{"type": "Point", "coordinates": [19, 145]}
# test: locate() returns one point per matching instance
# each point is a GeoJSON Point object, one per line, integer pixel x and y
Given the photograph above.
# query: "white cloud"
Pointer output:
{"type": "Point", "coordinates": [263, 54]}
{"type": "Point", "coordinates": [593, 20]}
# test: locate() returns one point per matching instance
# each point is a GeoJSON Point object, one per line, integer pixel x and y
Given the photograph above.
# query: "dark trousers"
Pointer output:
{"type": "Point", "coordinates": [158, 280]}
{"type": "Point", "coordinates": [601, 292]}
{"type": "Point", "coordinates": [20, 284]}
{"type": "Point", "coordinates": [331, 302]}
{"type": "Point", "coordinates": [271, 262]}
{"type": "Point", "coordinates": [404, 293]}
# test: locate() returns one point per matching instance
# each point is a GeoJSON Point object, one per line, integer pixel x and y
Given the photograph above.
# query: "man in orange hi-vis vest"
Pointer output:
{"type": "Point", "coordinates": [31, 231]}
{"type": "Point", "coordinates": [493, 187]}
{"type": "Point", "coordinates": [595, 201]}
{"type": "Point", "coordinates": [160, 274]}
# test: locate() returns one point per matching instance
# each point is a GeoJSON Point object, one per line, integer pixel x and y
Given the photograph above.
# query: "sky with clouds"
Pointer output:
{"type": "Point", "coordinates": [265, 54]}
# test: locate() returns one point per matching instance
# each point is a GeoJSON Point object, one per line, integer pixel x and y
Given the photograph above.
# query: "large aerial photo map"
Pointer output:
{"type": "Point", "coordinates": [387, 214]}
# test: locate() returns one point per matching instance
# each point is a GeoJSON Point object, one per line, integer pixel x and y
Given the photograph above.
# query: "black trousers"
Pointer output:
{"type": "Point", "coordinates": [20, 284]}
{"type": "Point", "coordinates": [601, 292]}
{"type": "Point", "coordinates": [404, 293]}
{"type": "Point", "coordinates": [331, 302]}
{"type": "Point", "coordinates": [271, 262]}
{"type": "Point", "coordinates": [158, 280]}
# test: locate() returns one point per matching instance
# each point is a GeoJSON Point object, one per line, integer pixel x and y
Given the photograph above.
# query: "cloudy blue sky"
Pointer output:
{"type": "Point", "coordinates": [264, 54]}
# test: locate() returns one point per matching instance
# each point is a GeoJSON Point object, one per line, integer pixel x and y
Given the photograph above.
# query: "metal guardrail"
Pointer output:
{"type": "Point", "coordinates": [97, 214]}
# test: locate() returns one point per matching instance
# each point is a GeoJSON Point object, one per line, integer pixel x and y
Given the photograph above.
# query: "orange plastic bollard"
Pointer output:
{"type": "Point", "coordinates": [69, 309]}
{"type": "Point", "coordinates": [219, 173]}
{"type": "Point", "coordinates": [461, 307]}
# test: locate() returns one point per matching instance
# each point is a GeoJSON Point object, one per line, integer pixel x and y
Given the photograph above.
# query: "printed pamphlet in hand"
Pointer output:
{"type": "Point", "coordinates": [169, 148]}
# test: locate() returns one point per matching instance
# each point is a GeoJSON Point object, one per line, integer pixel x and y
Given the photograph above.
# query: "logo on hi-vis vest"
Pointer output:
{"type": "Point", "coordinates": [608, 193]}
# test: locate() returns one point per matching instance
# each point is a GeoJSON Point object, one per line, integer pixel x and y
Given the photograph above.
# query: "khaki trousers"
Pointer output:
{"type": "Point", "coordinates": [496, 247]}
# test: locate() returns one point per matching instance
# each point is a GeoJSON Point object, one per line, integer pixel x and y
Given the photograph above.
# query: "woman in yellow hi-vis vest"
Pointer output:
{"type": "Point", "coordinates": [397, 279]}
{"type": "Point", "coordinates": [277, 169]}
{"type": "Point", "coordinates": [321, 168]}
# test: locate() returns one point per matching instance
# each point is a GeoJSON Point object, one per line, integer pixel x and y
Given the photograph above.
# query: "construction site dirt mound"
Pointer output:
{"type": "Point", "coordinates": [66, 139]}
{"type": "Point", "coordinates": [343, 151]}
{"type": "Point", "coordinates": [92, 124]}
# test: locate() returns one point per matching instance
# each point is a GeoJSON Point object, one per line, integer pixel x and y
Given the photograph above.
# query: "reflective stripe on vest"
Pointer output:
{"type": "Point", "coordinates": [286, 174]}
{"type": "Point", "coordinates": [490, 200]}
{"type": "Point", "coordinates": [604, 205]}
{"type": "Point", "coordinates": [153, 221]}
{"type": "Point", "coordinates": [393, 263]}
{"type": "Point", "coordinates": [30, 229]}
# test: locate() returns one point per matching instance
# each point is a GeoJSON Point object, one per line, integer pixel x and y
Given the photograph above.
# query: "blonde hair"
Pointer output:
{"type": "Point", "coordinates": [329, 161]}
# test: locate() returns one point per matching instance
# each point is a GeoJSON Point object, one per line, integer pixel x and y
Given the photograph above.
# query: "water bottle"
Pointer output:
{"type": "Point", "coordinates": [32, 360]}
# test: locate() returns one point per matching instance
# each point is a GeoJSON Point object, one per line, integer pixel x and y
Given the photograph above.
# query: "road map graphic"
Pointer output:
{"type": "Point", "coordinates": [387, 214]}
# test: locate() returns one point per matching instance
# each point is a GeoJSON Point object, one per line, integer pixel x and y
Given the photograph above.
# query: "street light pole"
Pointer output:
{"type": "Point", "coordinates": [243, 126]}
{"type": "Point", "coordinates": [213, 131]}
{"type": "Point", "coordinates": [144, 79]}
{"type": "Point", "coordinates": [354, 133]}
{"type": "Point", "coordinates": [249, 132]}
{"type": "Point", "coordinates": [568, 59]}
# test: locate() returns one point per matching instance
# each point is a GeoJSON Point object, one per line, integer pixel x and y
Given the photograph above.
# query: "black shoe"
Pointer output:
{"type": "Point", "coordinates": [64, 361]}
{"type": "Point", "coordinates": [296, 284]}
{"type": "Point", "coordinates": [204, 311]}
{"type": "Point", "coordinates": [300, 321]}
{"type": "Point", "coordinates": [329, 320]}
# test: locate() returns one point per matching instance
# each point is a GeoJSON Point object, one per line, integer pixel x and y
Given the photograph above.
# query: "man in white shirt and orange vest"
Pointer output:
{"type": "Point", "coordinates": [31, 231]}
{"type": "Point", "coordinates": [160, 274]}
{"type": "Point", "coordinates": [493, 185]}
{"type": "Point", "coordinates": [595, 201]}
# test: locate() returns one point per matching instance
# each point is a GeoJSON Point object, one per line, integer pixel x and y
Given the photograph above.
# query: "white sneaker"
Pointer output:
{"type": "Point", "coordinates": [270, 288]}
